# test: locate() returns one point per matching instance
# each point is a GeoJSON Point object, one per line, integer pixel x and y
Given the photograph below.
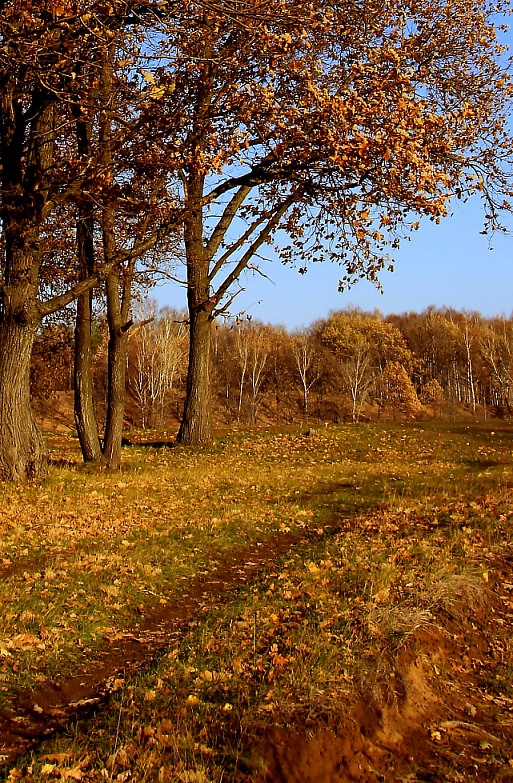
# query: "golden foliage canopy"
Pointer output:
{"type": "Point", "coordinates": [353, 119]}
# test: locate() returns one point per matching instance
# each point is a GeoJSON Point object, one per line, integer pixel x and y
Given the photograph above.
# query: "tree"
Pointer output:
{"type": "Point", "coordinates": [83, 403]}
{"type": "Point", "coordinates": [157, 356]}
{"type": "Point", "coordinates": [261, 346]}
{"type": "Point", "coordinates": [306, 361]}
{"type": "Point", "coordinates": [436, 339]}
{"type": "Point", "coordinates": [252, 348]}
{"type": "Point", "coordinates": [397, 391]}
{"type": "Point", "coordinates": [45, 171]}
{"type": "Point", "coordinates": [363, 344]}
{"type": "Point", "coordinates": [462, 335]}
{"type": "Point", "coordinates": [433, 396]}
{"type": "Point", "coordinates": [332, 123]}
{"type": "Point", "coordinates": [131, 201]}
{"type": "Point", "coordinates": [496, 349]}
{"type": "Point", "coordinates": [241, 356]}
{"type": "Point", "coordinates": [469, 329]}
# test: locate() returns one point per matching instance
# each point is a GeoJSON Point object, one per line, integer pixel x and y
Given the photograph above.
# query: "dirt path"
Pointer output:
{"type": "Point", "coordinates": [42, 712]}
{"type": "Point", "coordinates": [445, 715]}
{"type": "Point", "coordinates": [443, 721]}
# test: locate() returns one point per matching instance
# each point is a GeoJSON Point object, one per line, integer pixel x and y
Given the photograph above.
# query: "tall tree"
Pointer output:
{"type": "Point", "coordinates": [29, 96]}
{"type": "Point", "coordinates": [397, 392]}
{"type": "Point", "coordinates": [157, 358]}
{"type": "Point", "coordinates": [307, 365]}
{"type": "Point", "coordinates": [85, 416]}
{"type": "Point", "coordinates": [333, 123]}
{"type": "Point", "coordinates": [43, 48]}
{"type": "Point", "coordinates": [496, 348]}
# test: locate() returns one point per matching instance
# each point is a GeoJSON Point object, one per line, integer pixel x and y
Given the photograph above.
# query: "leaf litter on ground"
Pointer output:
{"type": "Point", "coordinates": [422, 529]}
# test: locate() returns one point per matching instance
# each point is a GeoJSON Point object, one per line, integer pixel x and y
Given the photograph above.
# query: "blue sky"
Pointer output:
{"type": "Point", "coordinates": [448, 265]}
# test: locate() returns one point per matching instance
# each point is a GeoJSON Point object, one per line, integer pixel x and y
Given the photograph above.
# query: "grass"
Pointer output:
{"type": "Point", "coordinates": [423, 512]}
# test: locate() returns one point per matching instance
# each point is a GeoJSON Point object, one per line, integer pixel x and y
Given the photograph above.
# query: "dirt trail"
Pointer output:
{"type": "Point", "coordinates": [438, 719]}
{"type": "Point", "coordinates": [40, 713]}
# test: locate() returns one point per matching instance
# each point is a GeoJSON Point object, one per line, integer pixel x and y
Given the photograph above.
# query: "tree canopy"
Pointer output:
{"type": "Point", "coordinates": [341, 124]}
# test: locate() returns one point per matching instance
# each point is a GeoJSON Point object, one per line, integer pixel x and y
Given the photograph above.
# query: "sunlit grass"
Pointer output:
{"type": "Point", "coordinates": [408, 520]}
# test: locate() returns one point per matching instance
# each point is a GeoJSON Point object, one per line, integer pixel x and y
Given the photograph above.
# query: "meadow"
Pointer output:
{"type": "Point", "coordinates": [282, 606]}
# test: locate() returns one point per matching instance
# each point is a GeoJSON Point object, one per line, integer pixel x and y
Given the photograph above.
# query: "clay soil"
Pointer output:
{"type": "Point", "coordinates": [445, 712]}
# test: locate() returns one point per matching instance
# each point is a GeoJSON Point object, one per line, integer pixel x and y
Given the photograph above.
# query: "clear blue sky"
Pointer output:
{"type": "Point", "coordinates": [446, 265]}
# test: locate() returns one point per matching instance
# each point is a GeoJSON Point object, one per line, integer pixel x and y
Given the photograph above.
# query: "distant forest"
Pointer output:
{"type": "Point", "coordinates": [352, 366]}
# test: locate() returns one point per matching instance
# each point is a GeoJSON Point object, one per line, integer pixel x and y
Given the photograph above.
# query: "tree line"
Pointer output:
{"type": "Point", "coordinates": [351, 366]}
{"type": "Point", "coordinates": [142, 138]}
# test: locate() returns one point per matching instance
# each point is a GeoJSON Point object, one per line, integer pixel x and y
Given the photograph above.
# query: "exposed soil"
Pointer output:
{"type": "Point", "coordinates": [442, 710]}
{"type": "Point", "coordinates": [444, 713]}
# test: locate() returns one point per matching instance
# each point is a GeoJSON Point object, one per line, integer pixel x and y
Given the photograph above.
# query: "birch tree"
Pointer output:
{"type": "Point", "coordinates": [306, 361]}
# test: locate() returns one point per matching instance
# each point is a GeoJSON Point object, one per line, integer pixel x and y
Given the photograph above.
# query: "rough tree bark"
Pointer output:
{"type": "Point", "coordinates": [22, 448]}
{"type": "Point", "coordinates": [195, 428]}
{"type": "Point", "coordinates": [117, 317]}
{"type": "Point", "coordinates": [85, 416]}
{"type": "Point", "coordinates": [118, 288]}
{"type": "Point", "coordinates": [24, 166]}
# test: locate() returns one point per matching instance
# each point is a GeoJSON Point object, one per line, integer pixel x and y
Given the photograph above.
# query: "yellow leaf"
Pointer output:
{"type": "Point", "coordinates": [59, 758]}
{"type": "Point", "coordinates": [75, 773]}
{"type": "Point", "coordinates": [157, 93]}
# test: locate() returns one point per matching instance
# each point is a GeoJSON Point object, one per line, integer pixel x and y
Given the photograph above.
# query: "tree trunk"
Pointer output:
{"type": "Point", "coordinates": [117, 354]}
{"type": "Point", "coordinates": [85, 417]}
{"type": "Point", "coordinates": [22, 448]}
{"type": "Point", "coordinates": [119, 294]}
{"type": "Point", "coordinates": [305, 402]}
{"type": "Point", "coordinates": [195, 429]}
{"type": "Point", "coordinates": [26, 157]}
{"type": "Point", "coordinates": [470, 371]}
{"type": "Point", "coordinates": [118, 289]}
